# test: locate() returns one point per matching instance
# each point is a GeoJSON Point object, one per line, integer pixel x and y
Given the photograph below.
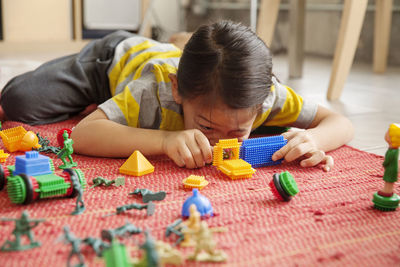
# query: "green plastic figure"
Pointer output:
{"type": "Point", "coordinates": [150, 207]}
{"type": "Point", "coordinates": [66, 152]}
{"type": "Point", "coordinates": [45, 145]}
{"type": "Point", "coordinates": [176, 228]}
{"type": "Point", "coordinates": [386, 199]}
{"type": "Point", "coordinates": [150, 258]}
{"type": "Point", "coordinates": [80, 205]}
{"type": "Point", "coordinates": [96, 244]}
{"type": "Point", "coordinates": [149, 195]}
{"type": "Point", "coordinates": [127, 228]}
{"type": "Point", "coordinates": [119, 181]}
{"type": "Point", "coordinates": [75, 242]}
{"type": "Point", "coordinates": [23, 226]}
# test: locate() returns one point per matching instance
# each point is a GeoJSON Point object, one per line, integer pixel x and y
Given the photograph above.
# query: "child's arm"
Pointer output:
{"type": "Point", "coordinates": [96, 135]}
{"type": "Point", "coordinates": [328, 131]}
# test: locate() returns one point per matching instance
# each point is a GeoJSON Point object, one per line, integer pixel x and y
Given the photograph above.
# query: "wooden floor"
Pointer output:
{"type": "Point", "coordinates": [371, 101]}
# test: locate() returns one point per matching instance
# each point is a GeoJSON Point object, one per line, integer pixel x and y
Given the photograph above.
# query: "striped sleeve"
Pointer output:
{"type": "Point", "coordinates": [284, 107]}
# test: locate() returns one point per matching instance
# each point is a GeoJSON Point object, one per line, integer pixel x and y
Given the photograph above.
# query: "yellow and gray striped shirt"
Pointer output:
{"type": "Point", "coordinates": [142, 96]}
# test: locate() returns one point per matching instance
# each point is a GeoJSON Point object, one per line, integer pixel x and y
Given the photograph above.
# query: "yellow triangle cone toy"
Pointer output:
{"type": "Point", "coordinates": [136, 165]}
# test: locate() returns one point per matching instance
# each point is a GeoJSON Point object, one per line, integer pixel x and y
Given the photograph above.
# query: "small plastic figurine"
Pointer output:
{"type": "Point", "coordinates": [148, 195]}
{"type": "Point", "coordinates": [127, 228]}
{"type": "Point", "coordinates": [205, 245]}
{"type": "Point", "coordinates": [45, 145]}
{"type": "Point", "coordinates": [23, 226]}
{"type": "Point", "coordinates": [103, 181]}
{"type": "Point", "coordinates": [80, 205]}
{"type": "Point", "coordinates": [66, 152]}
{"type": "Point", "coordinates": [150, 207]}
{"type": "Point", "coordinates": [150, 258]}
{"type": "Point", "coordinates": [75, 242]}
{"type": "Point", "coordinates": [176, 228]}
{"type": "Point", "coordinates": [193, 223]}
{"type": "Point", "coordinates": [167, 254]}
{"type": "Point", "coordinates": [96, 244]}
{"type": "Point", "coordinates": [386, 199]}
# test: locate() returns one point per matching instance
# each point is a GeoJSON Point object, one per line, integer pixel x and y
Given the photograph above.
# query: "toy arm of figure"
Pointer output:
{"type": "Point", "coordinates": [96, 135]}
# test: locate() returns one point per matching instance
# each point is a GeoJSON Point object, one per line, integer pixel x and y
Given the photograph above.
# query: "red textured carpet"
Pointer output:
{"type": "Point", "coordinates": [330, 222]}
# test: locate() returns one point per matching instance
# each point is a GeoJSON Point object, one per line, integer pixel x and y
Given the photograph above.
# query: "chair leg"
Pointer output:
{"type": "Point", "coordinates": [349, 33]}
{"type": "Point", "coordinates": [296, 38]}
{"type": "Point", "coordinates": [267, 17]}
{"type": "Point", "coordinates": [383, 18]}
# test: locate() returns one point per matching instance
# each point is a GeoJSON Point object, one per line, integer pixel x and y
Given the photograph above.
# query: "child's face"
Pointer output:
{"type": "Point", "coordinates": [219, 121]}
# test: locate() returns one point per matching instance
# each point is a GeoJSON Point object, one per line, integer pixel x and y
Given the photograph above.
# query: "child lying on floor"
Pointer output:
{"type": "Point", "coordinates": [155, 98]}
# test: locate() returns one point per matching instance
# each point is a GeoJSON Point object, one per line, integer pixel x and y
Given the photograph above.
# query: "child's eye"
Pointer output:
{"type": "Point", "coordinates": [206, 128]}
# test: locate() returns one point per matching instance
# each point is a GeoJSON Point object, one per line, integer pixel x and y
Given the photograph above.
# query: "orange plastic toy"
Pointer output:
{"type": "Point", "coordinates": [3, 156]}
{"type": "Point", "coordinates": [18, 139]}
{"type": "Point", "coordinates": [234, 167]}
{"type": "Point", "coordinates": [136, 165]}
{"type": "Point", "coordinates": [194, 181]}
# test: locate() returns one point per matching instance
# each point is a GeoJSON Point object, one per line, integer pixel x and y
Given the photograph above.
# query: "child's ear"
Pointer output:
{"type": "Point", "coordinates": [174, 86]}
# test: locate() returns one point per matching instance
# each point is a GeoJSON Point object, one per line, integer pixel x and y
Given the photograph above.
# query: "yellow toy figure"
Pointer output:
{"type": "Point", "coordinates": [205, 245]}
{"type": "Point", "coordinates": [386, 199]}
{"type": "Point", "coordinates": [193, 223]}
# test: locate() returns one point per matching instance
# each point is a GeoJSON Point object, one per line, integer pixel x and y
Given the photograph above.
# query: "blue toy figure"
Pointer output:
{"type": "Point", "coordinates": [202, 203]}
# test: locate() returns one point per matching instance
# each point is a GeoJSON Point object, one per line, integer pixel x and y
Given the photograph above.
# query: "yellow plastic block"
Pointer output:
{"type": "Point", "coordinates": [194, 181]}
{"type": "Point", "coordinates": [394, 133]}
{"type": "Point", "coordinates": [218, 153]}
{"type": "Point", "coordinates": [136, 165]}
{"type": "Point", "coordinates": [3, 156]}
{"type": "Point", "coordinates": [18, 139]}
{"type": "Point", "coordinates": [237, 168]}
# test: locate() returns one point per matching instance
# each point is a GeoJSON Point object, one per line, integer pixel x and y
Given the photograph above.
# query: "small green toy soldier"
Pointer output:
{"type": "Point", "coordinates": [23, 226]}
{"type": "Point", "coordinates": [127, 228]}
{"type": "Point", "coordinates": [97, 245]}
{"type": "Point", "coordinates": [150, 207]}
{"type": "Point", "coordinates": [66, 152]}
{"type": "Point", "coordinates": [103, 181]}
{"type": "Point", "coordinates": [386, 199]}
{"type": "Point", "coordinates": [75, 242]}
{"type": "Point", "coordinates": [148, 195]}
{"type": "Point", "coordinates": [150, 258]}
{"type": "Point", "coordinates": [80, 205]}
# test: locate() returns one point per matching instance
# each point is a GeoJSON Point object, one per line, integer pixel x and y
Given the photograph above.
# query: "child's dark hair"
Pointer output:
{"type": "Point", "coordinates": [225, 61]}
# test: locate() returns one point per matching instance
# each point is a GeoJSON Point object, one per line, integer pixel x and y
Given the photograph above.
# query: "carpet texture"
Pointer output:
{"type": "Point", "coordinates": [330, 222]}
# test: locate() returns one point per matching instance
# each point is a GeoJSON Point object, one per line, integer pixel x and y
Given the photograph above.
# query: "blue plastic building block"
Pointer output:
{"type": "Point", "coordinates": [258, 151]}
{"type": "Point", "coordinates": [202, 203]}
{"type": "Point", "coordinates": [32, 164]}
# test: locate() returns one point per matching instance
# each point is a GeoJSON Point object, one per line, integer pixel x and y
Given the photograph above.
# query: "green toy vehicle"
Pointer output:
{"type": "Point", "coordinates": [33, 177]}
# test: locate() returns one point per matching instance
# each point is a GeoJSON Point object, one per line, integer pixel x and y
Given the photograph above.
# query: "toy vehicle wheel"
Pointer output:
{"type": "Point", "coordinates": [2, 178]}
{"type": "Point", "coordinates": [73, 177]}
{"type": "Point", "coordinates": [28, 188]}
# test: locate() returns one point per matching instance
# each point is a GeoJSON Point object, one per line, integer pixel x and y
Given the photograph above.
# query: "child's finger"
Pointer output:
{"type": "Point", "coordinates": [281, 153]}
{"type": "Point", "coordinates": [204, 145]}
{"type": "Point", "coordinates": [187, 157]}
{"type": "Point", "coordinates": [316, 157]}
{"type": "Point", "coordinates": [329, 163]}
{"type": "Point", "coordinates": [197, 156]}
{"type": "Point", "coordinates": [298, 151]}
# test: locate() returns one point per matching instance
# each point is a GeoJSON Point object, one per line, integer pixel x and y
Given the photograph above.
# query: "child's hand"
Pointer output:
{"type": "Point", "coordinates": [189, 148]}
{"type": "Point", "coordinates": [300, 144]}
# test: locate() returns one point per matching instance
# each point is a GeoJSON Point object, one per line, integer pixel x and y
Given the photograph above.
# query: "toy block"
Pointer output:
{"type": "Point", "coordinates": [236, 169]}
{"type": "Point", "coordinates": [3, 156]}
{"type": "Point", "coordinates": [18, 139]}
{"type": "Point", "coordinates": [258, 151]}
{"type": "Point", "coordinates": [194, 181]}
{"type": "Point", "coordinates": [218, 154]}
{"type": "Point", "coordinates": [136, 165]}
{"type": "Point", "coordinates": [32, 164]}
